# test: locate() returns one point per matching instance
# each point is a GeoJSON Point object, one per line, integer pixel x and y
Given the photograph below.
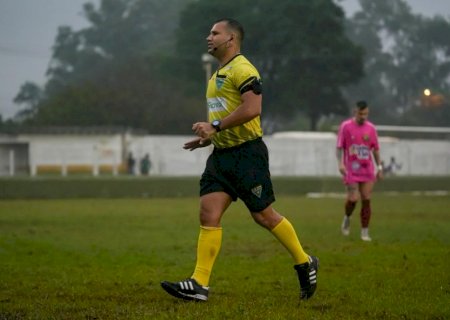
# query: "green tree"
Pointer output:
{"type": "Point", "coordinates": [299, 46]}
{"type": "Point", "coordinates": [404, 54]}
{"type": "Point", "coordinates": [127, 97]}
{"type": "Point", "coordinates": [113, 72]}
{"type": "Point", "coordinates": [29, 96]}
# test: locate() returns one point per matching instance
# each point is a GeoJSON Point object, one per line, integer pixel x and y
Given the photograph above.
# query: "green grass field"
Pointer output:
{"type": "Point", "coordinates": [104, 259]}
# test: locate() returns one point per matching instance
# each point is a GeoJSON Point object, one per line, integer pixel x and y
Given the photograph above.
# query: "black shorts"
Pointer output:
{"type": "Point", "coordinates": [242, 172]}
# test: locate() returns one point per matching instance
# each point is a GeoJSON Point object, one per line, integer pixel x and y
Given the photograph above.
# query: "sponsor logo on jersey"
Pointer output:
{"type": "Point", "coordinates": [216, 104]}
{"type": "Point", "coordinates": [355, 166]}
{"type": "Point", "coordinates": [362, 152]}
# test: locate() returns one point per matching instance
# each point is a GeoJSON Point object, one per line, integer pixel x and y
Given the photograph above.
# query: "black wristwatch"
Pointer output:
{"type": "Point", "coordinates": [216, 125]}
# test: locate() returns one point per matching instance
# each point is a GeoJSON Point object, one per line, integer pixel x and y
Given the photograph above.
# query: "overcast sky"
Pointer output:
{"type": "Point", "coordinates": [28, 29]}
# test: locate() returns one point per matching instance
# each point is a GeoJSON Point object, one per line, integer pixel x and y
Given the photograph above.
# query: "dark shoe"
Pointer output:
{"type": "Point", "coordinates": [307, 276]}
{"type": "Point", "coordinates": [187, 289]}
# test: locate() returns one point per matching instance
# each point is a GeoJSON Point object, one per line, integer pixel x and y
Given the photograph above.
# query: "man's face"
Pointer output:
{"type": "Point", "coordinates": [218, 37]}
{"type": "Point", "coordinates": [361, 115]}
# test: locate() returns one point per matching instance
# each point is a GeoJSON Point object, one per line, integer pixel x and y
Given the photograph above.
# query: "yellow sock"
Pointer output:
{"type": "Point", "coordinates": [285, 233]}
{"type": "Point", "coordinates": [208, 247]}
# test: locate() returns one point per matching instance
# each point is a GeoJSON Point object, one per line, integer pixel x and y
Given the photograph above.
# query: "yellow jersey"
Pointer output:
{"type": "Point", "coordinates": [223, 96]}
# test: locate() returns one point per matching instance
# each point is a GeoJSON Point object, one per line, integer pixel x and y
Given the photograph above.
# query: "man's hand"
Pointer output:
{"type": "Point", "coordinates": [342, 169]}
{"type": "Point", "coordinates": [380, 175]}
{"type": "Point", "coordinates": [196, 143]}
{"type": "Point", "coordinates": [204, 130]}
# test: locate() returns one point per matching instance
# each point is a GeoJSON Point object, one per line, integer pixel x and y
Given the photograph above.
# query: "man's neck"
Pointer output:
{"type": "Point", "coordinates": [227, 57]}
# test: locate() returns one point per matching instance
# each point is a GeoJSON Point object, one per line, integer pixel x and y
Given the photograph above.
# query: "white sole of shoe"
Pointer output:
{"type": "Point", "coordinates": [345, 227]}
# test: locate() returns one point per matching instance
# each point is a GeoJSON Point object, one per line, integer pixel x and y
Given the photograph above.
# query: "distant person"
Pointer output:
{"type": "Point", "coordinates": [238, 166]}
{"type": "Point", "coordinates": [131, 162]}
{"type": "Point", "coordinates": [145, 165]}
{"type": "Point", "coordinates": [392, 168]}
{"type": "Point", "coordinates": [357, 143]}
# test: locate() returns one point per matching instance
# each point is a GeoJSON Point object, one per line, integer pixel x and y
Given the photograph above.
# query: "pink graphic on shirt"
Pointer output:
{"type": "Point", "coordinates": [358, 142]}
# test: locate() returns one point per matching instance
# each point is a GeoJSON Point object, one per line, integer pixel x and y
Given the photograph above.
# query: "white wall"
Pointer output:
{"type": "Point", "coordinates": [168, 156]}
{"type": "Point", "coordinates": [419, 157]}
{"type": "Point", "coordinates": [303, 154]}
{"type": "Point", "coordinates": [299, 154]}
{"type": "Point", "coordinates": [74, 150]}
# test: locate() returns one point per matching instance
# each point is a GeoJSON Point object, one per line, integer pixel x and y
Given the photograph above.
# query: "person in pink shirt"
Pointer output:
{"type": "Point", "coordinates": [356, 149]}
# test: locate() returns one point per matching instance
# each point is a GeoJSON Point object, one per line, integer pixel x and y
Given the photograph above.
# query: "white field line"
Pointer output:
{"type": "Point", "coordinates": [436, 193]}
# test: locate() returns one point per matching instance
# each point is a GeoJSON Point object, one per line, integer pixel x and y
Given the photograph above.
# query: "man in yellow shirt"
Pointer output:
{"type": "Point", "coordinates": [238, 166]}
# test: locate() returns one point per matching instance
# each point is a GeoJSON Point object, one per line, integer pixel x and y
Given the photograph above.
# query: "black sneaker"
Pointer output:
{"type": "Point", "coordinates": [307, 275]}
{"type": "Point", "coordinates": [187, 289]}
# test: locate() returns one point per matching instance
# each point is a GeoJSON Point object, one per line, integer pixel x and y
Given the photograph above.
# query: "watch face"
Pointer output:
{"type": "Point", "coordinates": [216, 125]}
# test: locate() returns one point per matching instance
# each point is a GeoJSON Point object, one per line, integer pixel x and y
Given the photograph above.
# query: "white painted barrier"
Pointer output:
{"type": "Point", "coordinates": [291, 154]}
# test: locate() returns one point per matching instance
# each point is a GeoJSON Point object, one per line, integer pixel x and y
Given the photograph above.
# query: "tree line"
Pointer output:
{"type": "Point", "coordinates": [138, 65]}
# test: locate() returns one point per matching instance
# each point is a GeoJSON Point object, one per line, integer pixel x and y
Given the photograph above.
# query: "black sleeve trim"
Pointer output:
{"type": "Point", "coordinates": [253, 84]}
{"type": "Point", "coordinates": [246, 82]}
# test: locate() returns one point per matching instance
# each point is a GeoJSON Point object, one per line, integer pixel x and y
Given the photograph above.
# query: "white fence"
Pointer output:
{"type": "Point", "coordinates": [291, 154]}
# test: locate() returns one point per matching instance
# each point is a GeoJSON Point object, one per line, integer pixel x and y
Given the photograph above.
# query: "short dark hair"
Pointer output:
{"type": "Point", "coordinates": [234, 25]}
{"type": "Point", "coordinates": [361, 105]}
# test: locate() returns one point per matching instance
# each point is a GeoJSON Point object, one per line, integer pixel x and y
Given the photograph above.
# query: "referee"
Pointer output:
{"type": "Point", "coordinates": [238, 166]}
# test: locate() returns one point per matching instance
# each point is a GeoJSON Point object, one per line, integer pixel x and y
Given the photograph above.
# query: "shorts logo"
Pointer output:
{"type": "Point", "coordinates": [257, 191]}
